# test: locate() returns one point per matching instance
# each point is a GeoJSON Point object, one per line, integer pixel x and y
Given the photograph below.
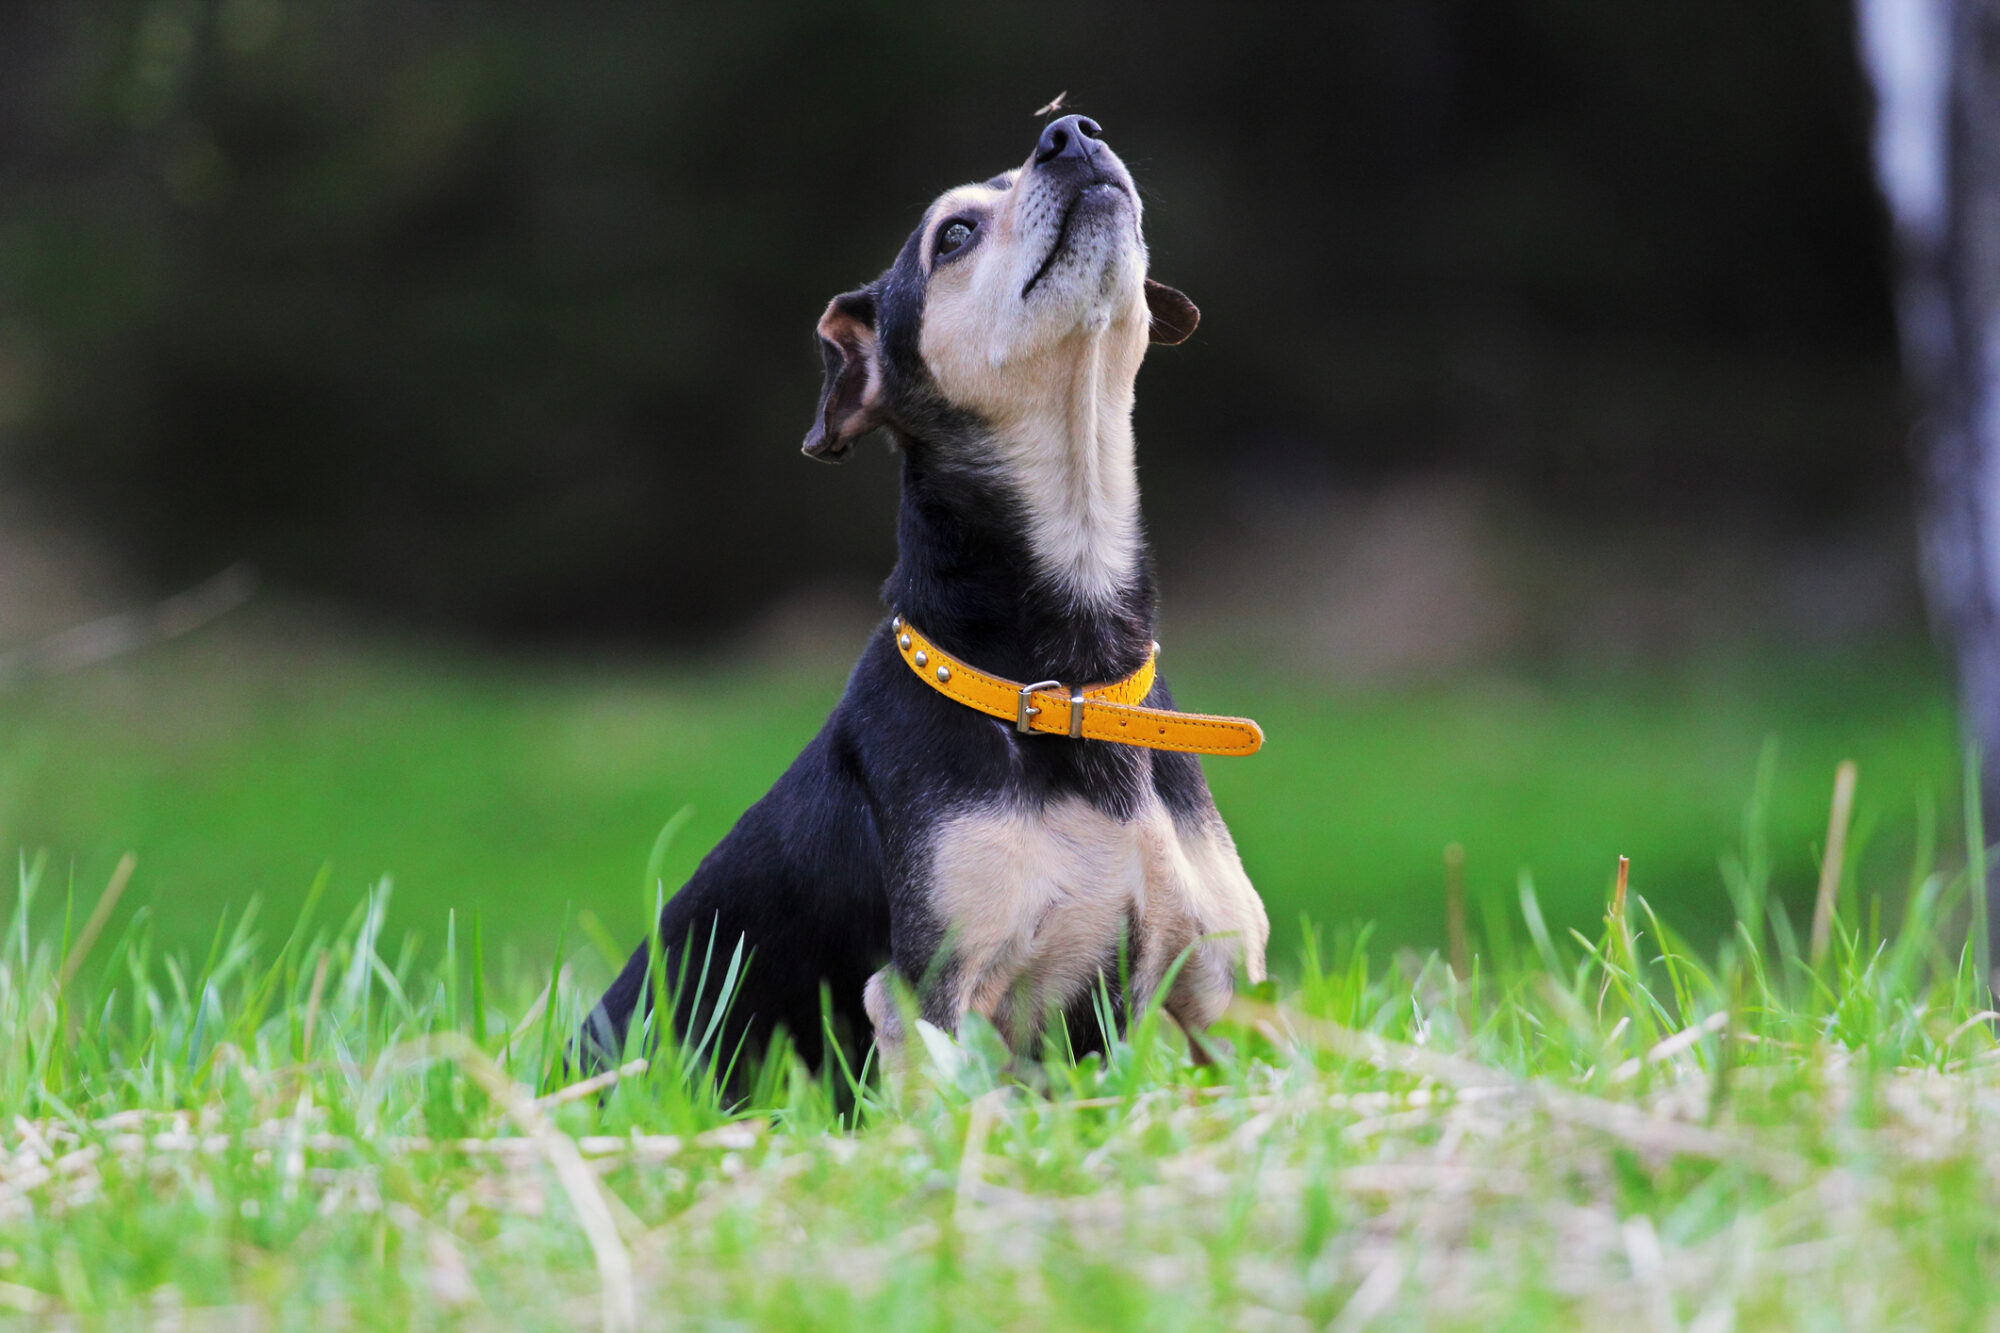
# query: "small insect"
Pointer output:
{"type": "Point", "coordinates": [1055, 104]}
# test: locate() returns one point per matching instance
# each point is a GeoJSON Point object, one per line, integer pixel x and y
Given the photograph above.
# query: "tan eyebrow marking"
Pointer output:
{"type": "Point", "coordinates": [948, 205]}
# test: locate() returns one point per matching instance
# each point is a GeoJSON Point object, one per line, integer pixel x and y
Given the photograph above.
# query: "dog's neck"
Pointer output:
{"type": "Point", "coordinates": [1031, 564]}
{"type": "Point", "coordinates": [1067, 452]}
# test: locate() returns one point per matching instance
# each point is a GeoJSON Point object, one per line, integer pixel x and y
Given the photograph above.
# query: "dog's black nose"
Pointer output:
{"type": "Point", "coordinates": [1065, 138]}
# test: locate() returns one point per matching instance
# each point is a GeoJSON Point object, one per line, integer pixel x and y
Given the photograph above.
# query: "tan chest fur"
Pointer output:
{"type": "Point", "coordinates": [1036, 900]}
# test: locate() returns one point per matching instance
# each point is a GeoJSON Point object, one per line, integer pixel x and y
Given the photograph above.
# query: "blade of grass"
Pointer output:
{"type": "Point", "coordinates": [1454, 911]}
{"type": "Point", "coordinates": [106, 901]}
{"type": "Point", "coordinates": [549, 1013]}
{"type": "Point", "coordinates": [478, 981]}
{"type": "Point", "coordinates": [1538, 929]}
{"type": "Point", "coordinates": [656, 859]}
{"type": "Point", "coordinates": [1979, 884]}
{"type": "Point", "coordinates": [1837, 820]}
{"type": "Point", "coordinates": [312, 1005]}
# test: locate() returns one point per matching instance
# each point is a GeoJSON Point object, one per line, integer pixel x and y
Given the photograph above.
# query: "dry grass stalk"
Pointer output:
{"type": "Point", "coordinates": [1837, 820]}
{"type": "Point", "coordinates": [1634, 1125]}
{"type": "Point", "coordinates": [1686, 1039]}
{"type": "Point", "coordinates": [972, 1161]}
{"type": "Point", "coordinates": [594, 1084]}
{"type": "Point", "coordinates": [587, 1194]}
{"type": "Point", "coordinates": [1374, 1296]}
{"type": "Point", "coordinates": [100, 914]}
{"type": "Point", "coordinates": [1454, 911]}
{"type": "Point", "coordinates": [312, 1007]}
{"type": "Point", "coordinates": [1618, 893]}
{"type": "Point", "coordinates": [533, 1013]}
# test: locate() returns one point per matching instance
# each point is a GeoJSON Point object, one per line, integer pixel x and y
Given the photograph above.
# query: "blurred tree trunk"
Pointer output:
{"type": "Point", "coordinates": [1935, 65]}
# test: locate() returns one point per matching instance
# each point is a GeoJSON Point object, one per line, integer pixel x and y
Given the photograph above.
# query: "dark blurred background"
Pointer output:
{"type": "Point", "coordinates": [1540, 453]}
{"type": "Point", "coordinates": [484, 314]}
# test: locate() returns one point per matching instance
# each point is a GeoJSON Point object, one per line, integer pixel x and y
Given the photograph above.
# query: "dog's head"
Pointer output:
{"type": "Point", "coordinates": [1003, 292]}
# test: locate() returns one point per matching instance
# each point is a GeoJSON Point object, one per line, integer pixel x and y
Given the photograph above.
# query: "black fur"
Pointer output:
{"type": "Point", "coordinates": [823, 877]}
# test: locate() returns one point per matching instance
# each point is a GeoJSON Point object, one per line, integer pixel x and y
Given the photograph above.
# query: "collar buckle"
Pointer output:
{"type": "Point", "coordinates": [1024, 710]}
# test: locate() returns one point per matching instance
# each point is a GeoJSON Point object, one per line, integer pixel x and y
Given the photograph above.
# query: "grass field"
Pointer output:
{"type": "Point", "coordinates": [241, 767]}
{"type": "Point", "coordinates": [347, 1108]}
{"type": "Point", "coordinates": [331, 1128]}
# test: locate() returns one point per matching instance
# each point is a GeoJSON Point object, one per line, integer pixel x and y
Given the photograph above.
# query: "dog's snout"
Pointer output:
{"type": "Point", "coordinates": [1067, 137]}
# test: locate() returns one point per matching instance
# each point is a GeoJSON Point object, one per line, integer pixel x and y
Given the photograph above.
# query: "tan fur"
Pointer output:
{"type": "Point", "coordinates": [1035, 902]}
{"type": "Point", "coordinates": [1199, 895]}
{"type": "Point", "coordinates": [1053, 374]}
{"type": "Point", "coordinates": [878, 999]}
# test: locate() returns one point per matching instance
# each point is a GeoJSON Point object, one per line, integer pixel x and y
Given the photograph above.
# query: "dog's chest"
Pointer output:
{"type": "Point", "coordinates": [1036, 899]}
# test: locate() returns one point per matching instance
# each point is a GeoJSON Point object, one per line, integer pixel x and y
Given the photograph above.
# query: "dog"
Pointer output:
{"type": "Point", "coordinates": [973, 829]}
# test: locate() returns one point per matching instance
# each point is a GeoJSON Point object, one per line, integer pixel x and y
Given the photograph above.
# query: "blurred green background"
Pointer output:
{"type": "Point", "coordinates": [1543, 423]}
{"type": "Point", "coordinates": [518, 791]}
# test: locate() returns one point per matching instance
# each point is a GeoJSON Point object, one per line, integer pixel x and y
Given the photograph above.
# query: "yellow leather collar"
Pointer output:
{"type": "Point", "coordinates": [1110, 712]}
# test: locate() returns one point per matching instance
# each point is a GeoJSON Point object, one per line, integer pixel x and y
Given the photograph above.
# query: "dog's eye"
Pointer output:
{"type": "Point", "coordinates": [951, 236]}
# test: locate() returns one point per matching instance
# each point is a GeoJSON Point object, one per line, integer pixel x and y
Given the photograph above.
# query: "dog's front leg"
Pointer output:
{"type": "Point", "coordinates": [881, 999]}
{"type": "Point", "coordinates": [889, 1002]}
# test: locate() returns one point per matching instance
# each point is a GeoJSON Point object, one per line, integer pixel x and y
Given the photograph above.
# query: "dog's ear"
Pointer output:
{"type": "Point", "coordinates": [1174, 316]}
{"type": "Point", "coordinates": [850, 401]}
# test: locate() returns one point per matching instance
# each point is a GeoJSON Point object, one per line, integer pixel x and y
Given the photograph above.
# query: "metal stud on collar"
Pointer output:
{"type": "Point", "coordinates": [944, 674]}
{"type": "Point", "coordinates": [922, 659]}
{"type": "Point", "coordinates": [904, 643]}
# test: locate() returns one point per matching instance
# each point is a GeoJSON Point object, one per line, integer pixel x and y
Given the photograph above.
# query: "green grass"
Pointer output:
{"type": "Point", "coordinates": [240, 767]}
{"type": "Point", "coordinates": [314, 1123]}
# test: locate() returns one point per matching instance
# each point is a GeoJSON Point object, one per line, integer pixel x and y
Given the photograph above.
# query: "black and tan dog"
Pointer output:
{"type": "Point", "coordinates": [980, 815]}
